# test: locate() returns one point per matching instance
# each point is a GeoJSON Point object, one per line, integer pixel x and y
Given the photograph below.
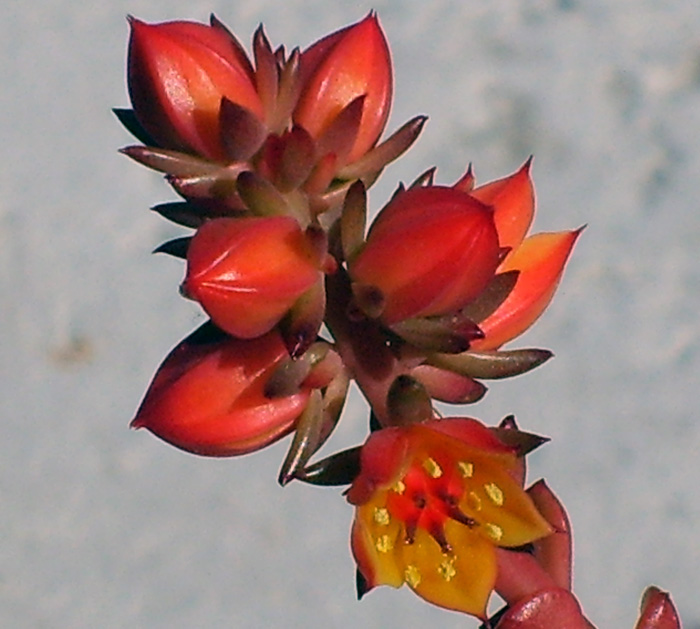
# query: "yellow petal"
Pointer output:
{"type": "Point", "coordinates": [376, 543]}
{"type": "Point", "coordinates": [505, 513]}
{"type": "Point", "coordinates": [461, 580]}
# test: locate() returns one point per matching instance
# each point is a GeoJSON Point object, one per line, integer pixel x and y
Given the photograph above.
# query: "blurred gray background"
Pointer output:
{"type": "Point", "coordinates": [104, 527]}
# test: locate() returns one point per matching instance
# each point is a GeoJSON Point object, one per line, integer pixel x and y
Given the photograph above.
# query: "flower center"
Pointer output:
{"type": "Point", "coordinates": [428, 495]}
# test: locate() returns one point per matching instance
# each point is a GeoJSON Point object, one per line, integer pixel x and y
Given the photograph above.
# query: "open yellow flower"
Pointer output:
{"type": "Point", "coordinates": [434, 500]}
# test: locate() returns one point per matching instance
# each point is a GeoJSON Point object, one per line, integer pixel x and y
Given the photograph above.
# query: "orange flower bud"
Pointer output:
{"type": "Point", "coordinates": [248, 272]}
{"type": "Point", "coordinates": [208, 396]}
{"type": "Point", "coordinates": [431, 251]}
{"type": "Point", "coordinates": [178, 74]}
{"type": "Point", "coordinates": [352, 63]}
{"type": "Point", "coordinates": [434, 501]}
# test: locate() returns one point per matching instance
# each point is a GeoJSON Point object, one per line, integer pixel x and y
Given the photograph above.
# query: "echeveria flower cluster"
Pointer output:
{"type": "Point", "coordinates": [272, 157]}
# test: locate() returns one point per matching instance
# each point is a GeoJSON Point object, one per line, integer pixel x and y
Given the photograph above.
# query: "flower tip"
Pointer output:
{"type": "Point", "coordinates": [466, 182]}
{"type": "Point", "coordinates": [657, 610]}
{"type": "Point", "coordinates": [259, 36]}
{"type": "Point", "coordinates": [362, 586]}
{"type": "Point", "coordinates": [135, 22]}
{"type": "Point", "coordinates": [135, 423]}
{"type": "Point", "coordinates": [138, 27]}
{"type": "Point", "coordinates": [508, 423]}
{"type": "Point", "coordinates": [371, 16]}
{"type": "Point", "coordinates": [339, 68]}
{"type": "Point", "coordinates": [185, 291]}
{"type": "Point", "coordinates": [285, 478]}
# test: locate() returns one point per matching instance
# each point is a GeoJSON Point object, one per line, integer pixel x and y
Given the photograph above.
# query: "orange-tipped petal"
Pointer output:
{"type": "Point", "coordinates": [540, 261]}
{"type": "Point", "coordinates": [346, 65]}
{"type": "Point", "coordinates": [513, 202]}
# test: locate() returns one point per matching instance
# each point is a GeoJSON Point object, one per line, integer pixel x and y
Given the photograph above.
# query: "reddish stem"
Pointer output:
{"type": "Point", "coordinates": [363, 346]}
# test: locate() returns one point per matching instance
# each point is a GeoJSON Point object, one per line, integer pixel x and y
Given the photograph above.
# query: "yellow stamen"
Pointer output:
{"type": "Point", "coordinates": [384, 544]}
{"type": "Point", "coordinates": [399, 487]}
{"type": "Point", "coordinates": [412, 576]}
{"type": "Point", "coordinates": [466, 469]}
{"type": "Point", "coordinates": [381, 516]}
{"type": "Point", "coordinates": [494, 531]}
{"type": "Point", "coordinates": [447, 569]}
{"type": "Point", "coordinates": [473, 501]}
{"type": "Point", "coordinates": [494, 492]}
{"type": "Point", "coordinates": [432, 468]}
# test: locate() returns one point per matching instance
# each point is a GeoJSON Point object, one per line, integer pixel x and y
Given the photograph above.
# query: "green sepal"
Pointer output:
{"type": "Point", "coordinates": [408, 402]}
{"type": "Point", "coordinates": [338, 469]}
{"type": "Point", "coordinates": [353, 221]}
{"type": "Point", "coordinates": [495, 293]}
{"type": "Point", "coordinates": [305, 440]}
{"type": "Point", "coordinates": [523, 442]}
{"type": "Point", "coordinates": [176, 247]}
{"type": "Point", "coordinates": [128, 118]}
{"type": "Point", "coordinates": [491, 365]}
{"type": "Point", "coordinates": [450, 334]}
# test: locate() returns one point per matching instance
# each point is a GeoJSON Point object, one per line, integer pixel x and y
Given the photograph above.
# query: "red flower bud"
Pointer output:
{"type": "Point", "coordinates": [248, 272]}
{"type": "Point", "coordinates": [178, 74]}
{"type": "Point", "coordinates": [431, 251]}
{"type": "Point", "coordinates": [657, 611]}
{"type": "Point", "coordinates": [208, 397]}
{"type": "Point", "coordinates": [340, 68]}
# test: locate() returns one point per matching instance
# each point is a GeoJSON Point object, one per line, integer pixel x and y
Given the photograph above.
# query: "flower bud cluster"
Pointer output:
{"type": "Point", "coordinates": [272, 156]}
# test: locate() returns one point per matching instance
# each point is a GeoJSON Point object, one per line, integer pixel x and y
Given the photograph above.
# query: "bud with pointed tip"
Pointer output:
{"type": "Point", "coordinates": [178, 74]}
{"type": "Point", "coordinates": [208, 396]}
{"type": "Point", "coordinates": [657, 611]}
{"type": "Point", "coordinates": [353, 63]}
{"type": "Point", "coordinates": [248, 272]}
{"type": "Point", "coordinates": [431, 251]}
